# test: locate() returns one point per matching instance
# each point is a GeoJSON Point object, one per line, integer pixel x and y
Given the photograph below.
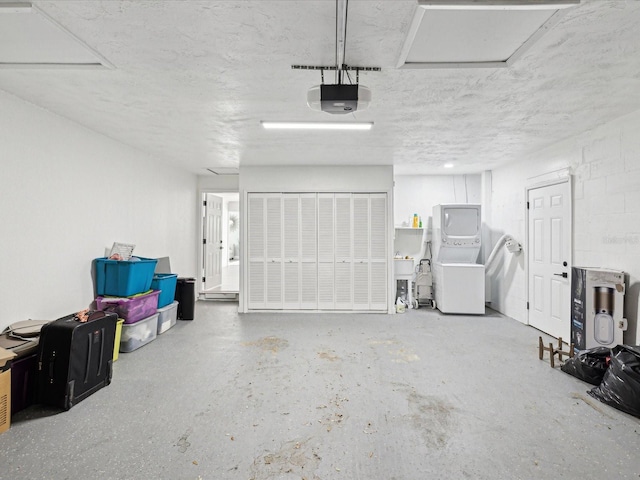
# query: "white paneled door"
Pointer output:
{"type": "Point", "coordinates": [317, 251]}
{"type": "Point", "coordinates": [549, 258]}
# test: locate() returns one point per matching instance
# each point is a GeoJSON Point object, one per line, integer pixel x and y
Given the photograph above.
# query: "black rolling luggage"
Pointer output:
{"type": "Point", "coordinates": [75, 358]}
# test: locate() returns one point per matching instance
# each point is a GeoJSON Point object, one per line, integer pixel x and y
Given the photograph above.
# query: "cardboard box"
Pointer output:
{"type": "Point", "coordinates": [597, 301]}
{"type": "Point", "coordinates": [5, 389]}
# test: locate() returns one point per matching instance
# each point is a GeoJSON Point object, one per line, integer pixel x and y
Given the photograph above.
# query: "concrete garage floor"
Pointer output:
{"type": "Point", "coordinates": [330, 396]}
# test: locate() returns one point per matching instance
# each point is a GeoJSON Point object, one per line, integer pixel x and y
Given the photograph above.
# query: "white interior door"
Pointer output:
{"type": "Point", "coordinates": [549, 258]}
{"type": "Point", "coordinates": [213, 246]}
{"type": "Point", "coordinates": [321, 251]}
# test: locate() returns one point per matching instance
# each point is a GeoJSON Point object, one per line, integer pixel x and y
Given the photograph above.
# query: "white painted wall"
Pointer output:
{"type": "Point", "coordinates": [218, 183]}
{"type": "Point", "coordinates": [67, 193]}
{"type": "Point", "coordinates": [377, 179]}
{"type": "Point", "coordinates": [605, 164]}
{"type": "Point", "coordinates": [419, 193]}
{"type": "Point", "coordinates": [334, 178]}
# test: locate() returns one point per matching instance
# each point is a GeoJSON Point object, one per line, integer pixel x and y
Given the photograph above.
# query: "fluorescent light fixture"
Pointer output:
{"type": "Point", "coordinates": [317, 125]}
{"type": "Point", "coordinates": [448, 165]}
{"type": "Point", "coordinates": [477, 33]}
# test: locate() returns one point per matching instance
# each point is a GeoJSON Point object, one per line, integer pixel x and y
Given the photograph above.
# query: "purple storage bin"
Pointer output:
{"type": "Point", "coordinates": [132, 309]}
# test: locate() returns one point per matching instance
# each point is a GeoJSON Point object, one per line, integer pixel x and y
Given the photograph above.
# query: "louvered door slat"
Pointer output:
{"type": "Point", "coordinates": [308, 251]}
{"type": "Point", "coordinates": [361, 219]}
{"type": "Point", "coordinates": [378, 226]}
{"type": "Point", "coordinates": [256, 251]}
{"type": "Point", "coordinates": [361, 285]}
{"type": "Point", "coordinates": [325, 227]}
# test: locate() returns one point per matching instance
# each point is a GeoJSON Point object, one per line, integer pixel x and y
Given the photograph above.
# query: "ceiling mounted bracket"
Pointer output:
{"type": "Point", "coordinates": [333, 67]}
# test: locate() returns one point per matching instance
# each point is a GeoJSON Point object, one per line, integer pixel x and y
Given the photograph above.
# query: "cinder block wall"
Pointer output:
{"type": "Point", "coordinates": [605, 166]}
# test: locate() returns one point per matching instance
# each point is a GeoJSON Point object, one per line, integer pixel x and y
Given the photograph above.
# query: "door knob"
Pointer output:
{"type": "Point", "coordinates": [563, 274]}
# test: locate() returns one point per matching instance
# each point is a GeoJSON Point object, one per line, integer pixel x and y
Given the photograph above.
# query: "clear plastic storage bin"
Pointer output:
{"type": "Point", "coordinates": [136, 335]}
{"type": "Point", "coordinates": [167, 317]}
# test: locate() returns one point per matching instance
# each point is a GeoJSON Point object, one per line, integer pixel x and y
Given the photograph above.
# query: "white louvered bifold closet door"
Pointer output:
{"type": "Point", "coordinates": [291, 250]}
{"type": "Point", "coordinates": [361, 253]}
{"type": "Point", "coordinates": [308, 252]}
{"type": "Point", "coordinates": [325, 251]}
{"type": "Point", "coordinates": [326, 261]}
{"type": "Point", "coordinates": [378, 258]}
{"type": "Point", "coordinates": [256, 252]}
{"type": "Point", "coordinates": [343, 252]}
{"type": "Point", "coordinates": [273, 229]}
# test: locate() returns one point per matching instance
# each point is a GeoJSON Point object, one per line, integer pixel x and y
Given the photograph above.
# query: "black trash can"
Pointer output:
{"type": "Point", "coordinates": [186, 297]}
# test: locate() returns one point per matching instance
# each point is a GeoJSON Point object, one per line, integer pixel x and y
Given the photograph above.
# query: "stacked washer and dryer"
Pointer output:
{"type": "Point", "coordinates": [458, 278]}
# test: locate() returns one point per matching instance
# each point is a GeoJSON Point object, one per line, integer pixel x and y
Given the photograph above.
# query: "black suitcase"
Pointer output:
{"type": "Point", "coordinates": [75, 358]}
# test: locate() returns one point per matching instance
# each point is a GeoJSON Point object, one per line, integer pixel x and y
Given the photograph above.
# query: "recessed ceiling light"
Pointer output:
{"type": "Point", "coordinates": [448, 165]}
{"type": "Point", "coordinates": [317, 125]}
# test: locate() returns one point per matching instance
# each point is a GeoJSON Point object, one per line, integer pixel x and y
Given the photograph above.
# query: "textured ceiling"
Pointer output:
{"type": "Point", "coordinates": [193, 79]}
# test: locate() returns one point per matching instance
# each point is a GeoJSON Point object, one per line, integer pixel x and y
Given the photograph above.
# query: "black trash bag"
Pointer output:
{"type": "Point", "coordinates": [620, 386]}
{"type": "Point", "coordinates": [589, 365]}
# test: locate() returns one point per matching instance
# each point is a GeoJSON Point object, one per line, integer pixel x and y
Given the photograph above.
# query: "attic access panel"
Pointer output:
{"type": "Point", "coordinates": [29, 38]}
{"type": "Point", "coordinates": [476, 33]}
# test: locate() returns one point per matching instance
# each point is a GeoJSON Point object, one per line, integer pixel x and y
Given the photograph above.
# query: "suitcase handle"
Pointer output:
{"type": "Point", "coordinates": [87, 315]}
{"type": "Point", "coordinates": [96, 315]}
{"type": "Point", "coordinates": [101, 350]}
{"type": "Point", "coordinates": [86, 369]}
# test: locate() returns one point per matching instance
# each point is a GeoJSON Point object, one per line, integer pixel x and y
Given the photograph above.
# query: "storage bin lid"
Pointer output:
{"type": "Point", "coordinates": [5, 358]}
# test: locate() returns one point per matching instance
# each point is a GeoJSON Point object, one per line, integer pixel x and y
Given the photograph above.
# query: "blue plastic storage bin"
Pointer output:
{"type": "Point", "coordinates": [123, 278]}
{"type": "Point", "coordinates": [166, 283]}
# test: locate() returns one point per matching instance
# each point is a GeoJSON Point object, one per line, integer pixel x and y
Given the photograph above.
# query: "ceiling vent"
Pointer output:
{"type": "Point", "coordinates": [223, 171]}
